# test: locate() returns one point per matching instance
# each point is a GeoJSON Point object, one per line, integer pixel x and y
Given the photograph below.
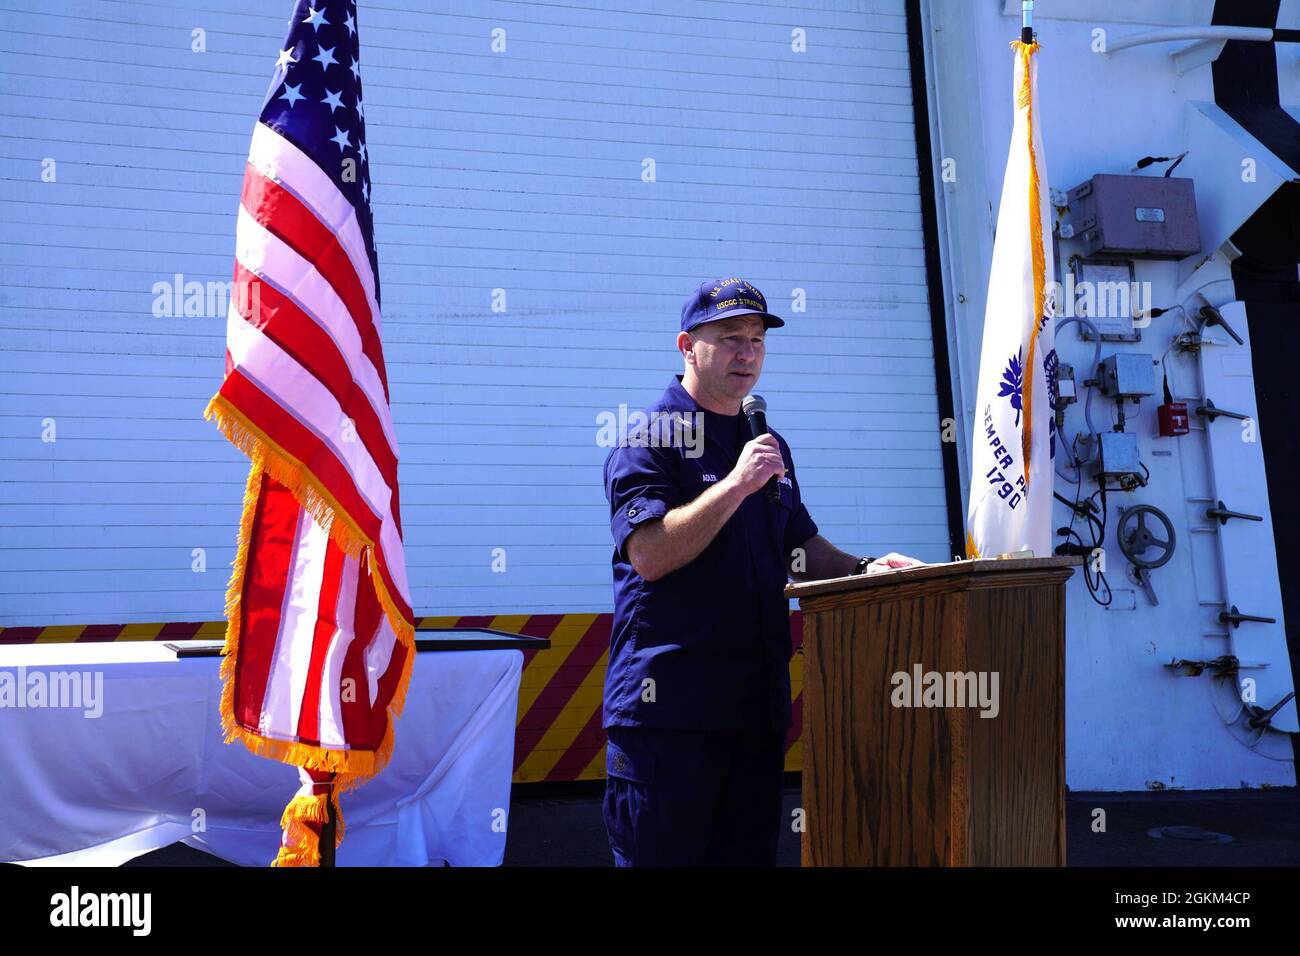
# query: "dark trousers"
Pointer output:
{"type": "Point", "coordinates": [692, 798]}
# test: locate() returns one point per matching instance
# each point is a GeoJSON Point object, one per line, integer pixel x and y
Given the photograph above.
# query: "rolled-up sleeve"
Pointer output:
{"type": "Point", "coordinates": [640, 484]}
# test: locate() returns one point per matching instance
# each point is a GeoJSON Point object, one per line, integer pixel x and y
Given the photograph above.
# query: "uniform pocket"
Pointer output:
{"type": "Point", "coordinates": [787, 495]}
{"type": "Point", "coordinates": [629, 758]}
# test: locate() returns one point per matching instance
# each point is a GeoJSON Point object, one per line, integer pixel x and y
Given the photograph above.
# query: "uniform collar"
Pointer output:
{"type": "Point", "coordinates": [716, 426]}
{"type": "Point", "coordinates": [676, 398]}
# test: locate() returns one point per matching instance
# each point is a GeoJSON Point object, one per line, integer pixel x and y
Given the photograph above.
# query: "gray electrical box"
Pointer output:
{"type": "Point", "coordinates": [1119, 454]}
{"type": "Point", "coordinates": [1105, 293]}
{"type": "Point", "coordinates": [1127, 375]}
{"type": "Point", "coordinates": [1146, 217]}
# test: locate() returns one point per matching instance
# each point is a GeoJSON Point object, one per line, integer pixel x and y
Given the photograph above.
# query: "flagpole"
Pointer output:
{"type": "Point", "coordinates": [1013, 445]}
{"type": "Point", "coordinates": [329, 829]}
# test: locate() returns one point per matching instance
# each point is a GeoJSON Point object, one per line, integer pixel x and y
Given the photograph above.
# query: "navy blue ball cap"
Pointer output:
{"type": "Point", "coordinates": [723, 299]}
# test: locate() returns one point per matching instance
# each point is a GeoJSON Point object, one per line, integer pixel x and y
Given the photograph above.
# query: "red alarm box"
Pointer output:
{"type": "Point", "coordinates": [1173, 419]}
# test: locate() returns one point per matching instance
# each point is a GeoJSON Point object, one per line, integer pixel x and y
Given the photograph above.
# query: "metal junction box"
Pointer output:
{"type": "Point", "coordinates": [1127, 375]}
{"type": "Point", "coordinates": [1119, 454]}
{"type": "Point", "coordinates": [1148, 217]}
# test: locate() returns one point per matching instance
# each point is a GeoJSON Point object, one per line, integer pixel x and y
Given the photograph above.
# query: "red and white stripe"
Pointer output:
{"type": "Point", "coordinates": [318, 661]}
{"type": "Point", "coordinates": [318, 658]}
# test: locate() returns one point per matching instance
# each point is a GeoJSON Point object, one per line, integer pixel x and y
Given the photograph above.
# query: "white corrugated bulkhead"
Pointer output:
{"type": "Point", "coordinates": [550, 181]}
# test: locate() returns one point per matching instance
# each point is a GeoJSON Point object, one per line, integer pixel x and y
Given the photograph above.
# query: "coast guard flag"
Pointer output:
{"type": "Point", "coordinates": [1014, 440]}
{"type": "Point", "coordinates": [320, 632]}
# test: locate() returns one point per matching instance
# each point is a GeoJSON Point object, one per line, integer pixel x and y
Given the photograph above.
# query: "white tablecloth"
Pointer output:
{"type": "Point", "coordinates": [82, 790]}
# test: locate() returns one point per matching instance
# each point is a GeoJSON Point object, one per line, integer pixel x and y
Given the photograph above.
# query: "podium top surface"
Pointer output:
{"type": "Point", "coordinates": [934, 573]}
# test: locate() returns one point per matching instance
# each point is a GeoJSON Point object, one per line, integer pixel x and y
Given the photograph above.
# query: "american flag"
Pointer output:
{"type": "Point", "coordinates": [320, 629]}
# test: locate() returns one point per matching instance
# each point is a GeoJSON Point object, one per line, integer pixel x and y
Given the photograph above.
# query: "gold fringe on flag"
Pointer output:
{"type": "Point", "coordinates": [351, 767]}
{"type": "Point", "coordinates": [302, 822]}
{"type": "Point", "coordinates": [1025, 99]}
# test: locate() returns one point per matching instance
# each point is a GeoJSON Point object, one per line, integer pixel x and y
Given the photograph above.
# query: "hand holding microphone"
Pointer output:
{"type": "Point", "coordinates": [760, 464]}
{"type": "Point", "coordinates": [763, 454]}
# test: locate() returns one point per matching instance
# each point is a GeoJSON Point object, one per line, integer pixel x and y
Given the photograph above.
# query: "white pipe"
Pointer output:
{"type": "Point", "coordinates": [1172, 34]}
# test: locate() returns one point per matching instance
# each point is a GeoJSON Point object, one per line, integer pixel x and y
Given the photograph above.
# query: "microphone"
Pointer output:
{"type": "Point", "coordinates": [755, 409]}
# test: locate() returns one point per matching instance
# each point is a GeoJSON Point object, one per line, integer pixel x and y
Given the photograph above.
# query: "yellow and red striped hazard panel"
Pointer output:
{"type": "Point", "coordinates": [557, 735]}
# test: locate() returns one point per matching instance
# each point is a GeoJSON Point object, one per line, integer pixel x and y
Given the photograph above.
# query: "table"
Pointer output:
{"type": "Point", "coordinates": [151, 769]}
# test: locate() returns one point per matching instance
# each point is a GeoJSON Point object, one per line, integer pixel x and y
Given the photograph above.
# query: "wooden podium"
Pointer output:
{"type": "Point", "coordinates": [899, 766]}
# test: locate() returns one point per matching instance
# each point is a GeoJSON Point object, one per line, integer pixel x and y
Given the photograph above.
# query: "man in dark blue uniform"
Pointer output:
{"type": "Point", "coordinates": [697, 690]}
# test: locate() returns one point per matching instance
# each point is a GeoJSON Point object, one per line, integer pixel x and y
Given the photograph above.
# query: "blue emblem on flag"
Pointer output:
{"type": "Point", "coordinates": [1050, 363]}
{"type": "Point", "coordinates": [1012, 377]}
